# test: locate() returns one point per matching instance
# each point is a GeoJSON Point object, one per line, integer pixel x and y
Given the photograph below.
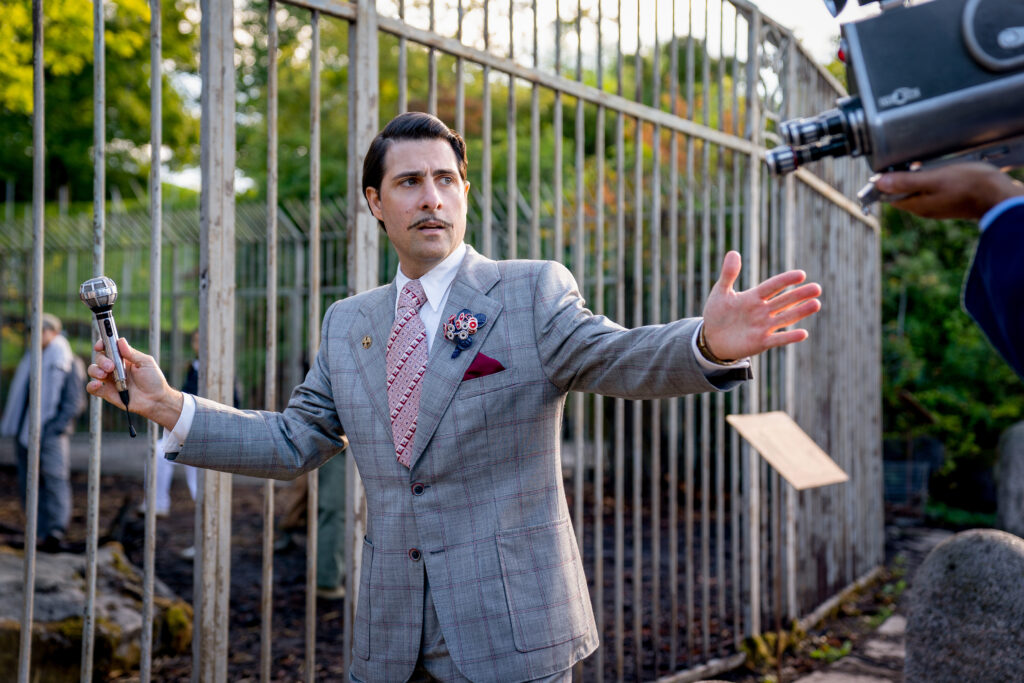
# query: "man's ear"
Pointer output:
{"type": "Point", "coordinates": [373, 199]}
{"type": "Point", "coordinates": [466, 188]}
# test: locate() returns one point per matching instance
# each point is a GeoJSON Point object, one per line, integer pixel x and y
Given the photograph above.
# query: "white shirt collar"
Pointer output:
{"type": "Point", "coordinates": [438, 279]}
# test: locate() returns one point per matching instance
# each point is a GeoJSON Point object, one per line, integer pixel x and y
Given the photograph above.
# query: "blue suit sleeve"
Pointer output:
{"type": "Point", "coordinates": [994, 291]}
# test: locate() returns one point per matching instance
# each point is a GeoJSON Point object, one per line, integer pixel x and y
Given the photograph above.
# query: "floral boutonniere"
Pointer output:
{"type": "Point", "coordinates": [461, 327]}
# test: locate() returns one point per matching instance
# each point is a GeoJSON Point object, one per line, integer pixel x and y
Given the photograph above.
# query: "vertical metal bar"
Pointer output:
{"type": "Point", "coordinates": [155, 300]}
{"type": "Point", "coordinates": [599, 309]}
{"type": "Point", "coordinates": [363, 250]}
{"type": "Point", "coordinates": [95, 404]}
{"type": "Point", "coordinates": [753, 248]}
{"type": "Point", "coordinates": [655, 433]}
{"type": "Point", "coordinates": [460, 85]}
{"type": "Point", "coordinates": [720, 573]}
{"type": "Point", "coordinates": [36, 341]}
{"type": "Point", "coordinates": [176, 331]}
{"type": "Point", "coordinates": [638, 320]}
{"type": "Point", "coordinates": [313, 482]}
{"type": "Point", "coordinates": [673, 314]}
{"type": "Point", "coordinates": [789, 380]}
{"type": "Point", "coordinates": [705, 398]}
{"type": "Point", "coordinates": [620, 404]}
{"type": "Point", "coordinates": [534, 248]}
{"type": "Point", "coordinates": [216, 338]}
{"type": "Point", "coordinates": [486, 171]}
{"type": "Point", "coordinates": [559, 237]}
{"type": "Point", "coordinates": [403, 66]}
{"type": "Point", "coordinates": [432, 70]}
{"type": "Point", "coordinates": [734, 442]}
{"type": "Point", "coordinates": [511, 182]}
{"type": "Point", "coordinates": [579, 269]}
{"type": "Point", "coordinates": [270, 378]}
{"type": "Point", "coordinates": [689, 401]}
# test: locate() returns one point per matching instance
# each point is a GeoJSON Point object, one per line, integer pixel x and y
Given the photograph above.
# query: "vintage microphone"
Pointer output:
{"type": "Point", "coordinates": [99, 294]}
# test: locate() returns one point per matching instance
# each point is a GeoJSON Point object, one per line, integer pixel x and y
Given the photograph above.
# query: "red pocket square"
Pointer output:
{"type": "Point", "coordinates": [482, 366]}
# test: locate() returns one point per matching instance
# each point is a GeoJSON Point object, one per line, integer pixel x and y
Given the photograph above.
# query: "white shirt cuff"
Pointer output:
{"type": "Point", "coordinates": [998, 210]}
{"type": "Point", "coordinates": [714, 369]}
{"type": "Point", "coordinates": [174, 440]}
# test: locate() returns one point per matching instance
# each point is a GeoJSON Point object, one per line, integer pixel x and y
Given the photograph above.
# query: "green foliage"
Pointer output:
{"type": "Point", "coordinates": [957, 518]}
{"type": "Point", "coordinates": [830, 653]}
{"type": "Point", "coordinates": [68, 73]}
{"type": "Point", "coordinates": [941, 376]}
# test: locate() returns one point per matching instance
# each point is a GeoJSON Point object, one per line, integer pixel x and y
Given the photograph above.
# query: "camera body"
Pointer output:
{"type": "Point", "coordinates": [931, 83]}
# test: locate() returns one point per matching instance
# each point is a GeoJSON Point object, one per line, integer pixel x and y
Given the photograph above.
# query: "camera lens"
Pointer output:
{"type": "Point", "coordinates": [781, 160]}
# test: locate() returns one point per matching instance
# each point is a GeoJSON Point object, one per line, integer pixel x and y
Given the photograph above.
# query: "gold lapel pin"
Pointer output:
{"type": "Point", "coordinates": [367, 342]}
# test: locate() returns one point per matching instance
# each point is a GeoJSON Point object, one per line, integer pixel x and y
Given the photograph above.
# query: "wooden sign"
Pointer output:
{"type": "Point", "coordinates": [788, 449]}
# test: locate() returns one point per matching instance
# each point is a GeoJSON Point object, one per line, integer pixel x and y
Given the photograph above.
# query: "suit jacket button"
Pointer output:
{"type": "Point", "coordinates": [414, 554]}
{"type": "Point", "coordinates": [418, 489]}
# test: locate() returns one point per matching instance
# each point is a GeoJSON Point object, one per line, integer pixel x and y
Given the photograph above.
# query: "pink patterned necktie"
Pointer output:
{"type": "Point", "coordinates": [406, 363]}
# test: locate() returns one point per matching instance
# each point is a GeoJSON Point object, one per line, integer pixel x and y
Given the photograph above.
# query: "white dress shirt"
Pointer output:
{"type": "Point", "coordinates": [437, 284]}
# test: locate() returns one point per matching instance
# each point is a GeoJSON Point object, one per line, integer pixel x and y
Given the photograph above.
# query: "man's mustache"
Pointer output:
{"type": "Point", "coordinates": [431, 219]}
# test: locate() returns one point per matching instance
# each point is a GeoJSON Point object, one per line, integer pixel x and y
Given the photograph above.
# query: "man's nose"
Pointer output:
{"type": "Point", "coordinates": [431, 198]}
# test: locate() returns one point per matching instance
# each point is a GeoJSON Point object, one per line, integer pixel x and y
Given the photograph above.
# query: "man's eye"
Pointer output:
{"type": "Point", "coordinates": [408, 182]}
{"type": "Point", "coordinates": [447, 180]}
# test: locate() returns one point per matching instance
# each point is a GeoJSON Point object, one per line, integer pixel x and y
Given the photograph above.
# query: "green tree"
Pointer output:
{"type": "Point", "coordinates": [941, 377]}
{"type": "Point", "coordinates": [68, 67]}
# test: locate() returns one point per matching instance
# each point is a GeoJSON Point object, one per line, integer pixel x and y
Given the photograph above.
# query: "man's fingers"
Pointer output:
{"type": "Point", "coordinates": [796, 314]}
{"type": "Point", "coordinates": [777, 283]}
{"type": "Point", "coordinates": [96, 372]}
{"type": "Point", "coordinates": [731, 266]}
{"type": "Point", "coordinates": [794, 296]}
{"type": "Point", "coordinates": [784, 338]}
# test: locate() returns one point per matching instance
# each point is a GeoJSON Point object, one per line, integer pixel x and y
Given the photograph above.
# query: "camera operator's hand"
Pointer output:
{"type": "Point", "coordinates": [965, 190]}
{"type": "Point", "coordinates": [149, 394]}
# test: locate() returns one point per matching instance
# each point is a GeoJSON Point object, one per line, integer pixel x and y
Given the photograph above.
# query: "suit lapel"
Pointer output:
{"type": "Point", "coordinates": [377, 316]}
{"type": "Point", "coordinates": [469, 290]}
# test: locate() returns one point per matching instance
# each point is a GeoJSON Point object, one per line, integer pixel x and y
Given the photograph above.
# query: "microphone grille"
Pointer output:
{"type": "Point", "coordinates": [98, 292]}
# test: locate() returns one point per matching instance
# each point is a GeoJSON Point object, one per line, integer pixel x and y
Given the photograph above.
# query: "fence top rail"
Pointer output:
{"type": "Point", "coordinates": [603, 98]}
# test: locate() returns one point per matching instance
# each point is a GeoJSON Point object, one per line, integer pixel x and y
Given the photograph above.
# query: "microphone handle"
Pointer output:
{"type": "Point", "coordinates": [108, 331]}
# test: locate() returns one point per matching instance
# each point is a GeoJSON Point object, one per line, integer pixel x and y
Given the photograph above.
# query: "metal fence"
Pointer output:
{"type": "Point", "coordinates": [691, 543]}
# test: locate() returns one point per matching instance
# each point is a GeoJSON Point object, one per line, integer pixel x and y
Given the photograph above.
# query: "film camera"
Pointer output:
{"type": "Point", "coordinates": [933, 83]}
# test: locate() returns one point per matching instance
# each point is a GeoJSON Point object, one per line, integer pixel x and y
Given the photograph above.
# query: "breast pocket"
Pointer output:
{"type": "Point", "coordinates": [547, 598]}
{"type": "Point", "coordinates": [483, 385]}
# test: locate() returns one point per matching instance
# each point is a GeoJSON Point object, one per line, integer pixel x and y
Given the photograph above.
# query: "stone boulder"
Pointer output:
{"type": "Point", "coordinates": [966, 611]}
{"type": "Point", "coordinates": [1010, 494]}
{"type": "Point", "coordinates": [59, 611]}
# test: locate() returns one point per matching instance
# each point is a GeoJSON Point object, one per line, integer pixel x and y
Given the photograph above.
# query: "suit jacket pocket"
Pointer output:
{"type": "Point", "coordinates": [361, 633]}
{"type": "Point", "coordinates": [487, 383]}
{"type": "Point", "coordinates": [547, 599]}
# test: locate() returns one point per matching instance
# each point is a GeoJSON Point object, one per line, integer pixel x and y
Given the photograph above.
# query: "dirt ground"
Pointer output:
{"type": "Point", "coordinates": [120, 521]}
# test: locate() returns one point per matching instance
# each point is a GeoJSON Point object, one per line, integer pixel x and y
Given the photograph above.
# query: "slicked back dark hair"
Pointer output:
{"type": "Point", "coordinates": [413, 125]}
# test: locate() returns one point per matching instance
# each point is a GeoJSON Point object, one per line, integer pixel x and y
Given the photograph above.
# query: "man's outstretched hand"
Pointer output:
{"type": "Point", "coordinates": [149, 395]}
{"type": "Point", "coordinates": [742, 324]}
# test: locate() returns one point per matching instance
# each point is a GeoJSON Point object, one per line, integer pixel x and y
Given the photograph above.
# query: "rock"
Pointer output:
{"type": "Point", "coordinates": [1010, 494]}
{"type": "Point", "coordinates": [59, 609]}
{"type": "Point", "coordinates": [966, 611]}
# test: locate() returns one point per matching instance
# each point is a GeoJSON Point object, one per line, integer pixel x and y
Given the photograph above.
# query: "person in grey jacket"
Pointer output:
{"type": "Point", "coordinates": [62, 400]}
{"type": "Point", "coordinates": [449, 385]}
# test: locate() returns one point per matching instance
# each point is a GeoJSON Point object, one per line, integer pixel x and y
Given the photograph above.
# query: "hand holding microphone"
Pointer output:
{"type": "Point", "coordinates": [121, 367]}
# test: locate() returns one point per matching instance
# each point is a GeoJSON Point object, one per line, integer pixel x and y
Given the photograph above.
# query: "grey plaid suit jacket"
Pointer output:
{"type": "Point", "coordinates": [489, 525]}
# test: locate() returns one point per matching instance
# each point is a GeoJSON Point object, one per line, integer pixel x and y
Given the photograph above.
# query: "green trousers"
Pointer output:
{"type": "Point", "coordinates": [330, 557]}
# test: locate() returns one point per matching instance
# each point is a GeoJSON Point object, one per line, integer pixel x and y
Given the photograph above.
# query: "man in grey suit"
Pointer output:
{"type": "Point", "coordinates": [470, 568]}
